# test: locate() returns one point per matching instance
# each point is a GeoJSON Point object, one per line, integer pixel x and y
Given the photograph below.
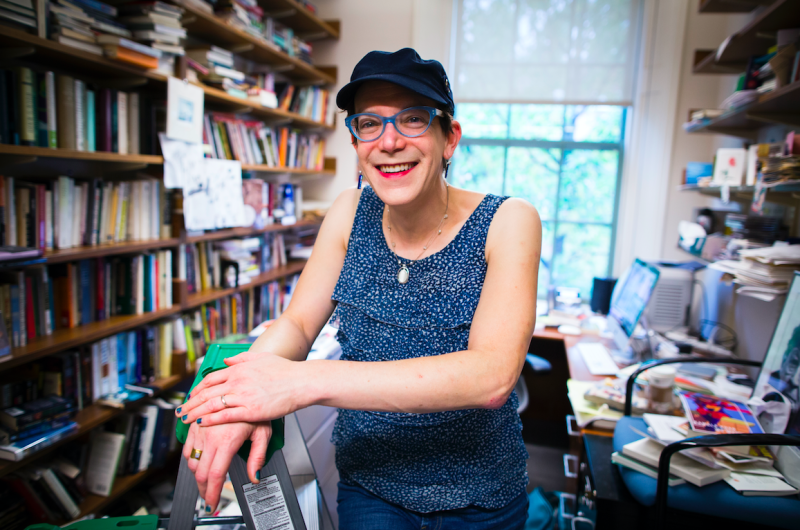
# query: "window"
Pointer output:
{"type": "Point", "coordinates": [543, 89]}
{"type": "Point", "coordinates": [565, 160]}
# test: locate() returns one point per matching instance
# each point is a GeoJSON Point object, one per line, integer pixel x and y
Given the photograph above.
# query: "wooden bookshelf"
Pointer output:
{"type": "Point", "coordinates": [228, 233]}
{"type": "Point", "coordinates": [14, 154]}
{"type": "Point", "coordinates": [212, 295]}
{"type": "Point", "coordinates": [749, 41]}
{"type": "Point", "coordinates": [111, 249]}
{"type": "Point", "coordinates": [307, 25]}
{"type": "Point", "coordinates": [779, 106]}
{"type": "Point", "coordinates": [211, 28]}
{"type": "Point", "coordinates": [65, 339]}
{"type": "Point", "coordinates": [87, 419]}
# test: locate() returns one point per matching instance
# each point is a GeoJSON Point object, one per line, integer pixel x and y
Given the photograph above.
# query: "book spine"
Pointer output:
{"type": "Point", "coordinates": [52, 130]}
{"type": "Point", "coordinates": [27, 106]}
{"type": "Point", "coordinates": [41, 109]}
{"type": "Point", "coordinates": [134, 120]}
{"type": "Point", "coordinates": [122, 123]}
{"type": "Point", "coordinates": [80, 115]}
{"type": "Point", "coordinates": [91, 122]}
{"type": "Point", "coordinates": [114, 122]}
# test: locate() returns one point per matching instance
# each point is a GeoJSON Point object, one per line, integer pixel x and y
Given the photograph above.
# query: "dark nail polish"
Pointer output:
{"type": "Point", "coordinates": [184, 417]}
{"type": "Point", "coordinates": [179, 410]}
{"type": "Point", "coordinates": [188, 397]}
{"type": "Point", "coordinates": [208, 509]}
{"type": "Point", "coordinates": [258, 475]}
{"type": "Point", "coordinates": [199, 420]}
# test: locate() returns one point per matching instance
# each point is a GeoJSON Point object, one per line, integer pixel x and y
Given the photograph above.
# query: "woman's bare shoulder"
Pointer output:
{"type": "Point", "coordinates": [515, 223]}
{"type": "Point", "coordinates": [339, 219]}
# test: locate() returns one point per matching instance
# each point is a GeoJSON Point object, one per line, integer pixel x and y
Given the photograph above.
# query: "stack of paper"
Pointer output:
{"type": "Point", "coordinates": [763, 273]}
{"type": "Point", "coordinates": [588, 414]}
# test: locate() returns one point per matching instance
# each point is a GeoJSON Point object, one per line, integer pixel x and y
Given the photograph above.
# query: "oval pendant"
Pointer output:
{"type": "Point", "coordinates": [402, 274]}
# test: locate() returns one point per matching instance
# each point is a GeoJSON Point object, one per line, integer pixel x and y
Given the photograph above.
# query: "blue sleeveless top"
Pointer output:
{"type": "Point", "coordinates": [422, 462]}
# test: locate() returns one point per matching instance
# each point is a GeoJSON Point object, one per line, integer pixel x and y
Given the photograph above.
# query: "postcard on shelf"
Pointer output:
{"type": "Point", "coordinates": [184, 111]}
{"type": "Point", "coordinates": [729, 168]}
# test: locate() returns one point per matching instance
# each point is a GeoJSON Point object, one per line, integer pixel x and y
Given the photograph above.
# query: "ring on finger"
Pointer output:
{"type": "Point", "coordinates": [224, 403]}
{"type": "Point", "coordinates": [196, 453]}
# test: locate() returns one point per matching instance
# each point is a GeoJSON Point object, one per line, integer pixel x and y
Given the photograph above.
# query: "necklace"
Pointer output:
{"type": "Point", "coordinates": [402, 269]}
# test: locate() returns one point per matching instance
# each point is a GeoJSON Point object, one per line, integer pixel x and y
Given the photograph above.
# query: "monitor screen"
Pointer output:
{"type": "Point", "coordinates": [781, 368]}
{"type": "Point", "coordinates": [631, 295]}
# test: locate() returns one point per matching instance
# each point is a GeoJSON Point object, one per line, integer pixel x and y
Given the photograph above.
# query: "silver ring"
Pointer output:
{"type": "Point", "coordinates": [224, 404]}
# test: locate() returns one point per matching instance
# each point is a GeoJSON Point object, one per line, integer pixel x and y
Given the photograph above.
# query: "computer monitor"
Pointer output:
{"type": "Point", "coordinates": [781, 368]}
{"type": "Point", "coordinates": [628, 302]}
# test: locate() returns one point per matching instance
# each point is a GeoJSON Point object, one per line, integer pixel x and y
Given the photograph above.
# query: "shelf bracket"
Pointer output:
{"type": "Point", "coordinates": [283, 14]}
{"type": "Point", "coordinates": [17, 52]}
{"type": "Point", "coordinates": [13, 160]}
{"type": "Point", "coordinates": [241, 48]}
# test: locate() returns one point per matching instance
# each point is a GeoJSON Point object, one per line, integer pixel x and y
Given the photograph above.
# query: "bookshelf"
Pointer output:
{"type": "Point", "coordinates": [731, 6]}
{"type": "Point", "coordinates": [39, 164]}
{"type": "Point", "coordinates": [88, 418]}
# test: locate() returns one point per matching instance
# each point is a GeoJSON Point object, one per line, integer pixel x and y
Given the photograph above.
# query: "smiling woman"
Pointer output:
{"type": "Point", "coordinates": [434, 288]}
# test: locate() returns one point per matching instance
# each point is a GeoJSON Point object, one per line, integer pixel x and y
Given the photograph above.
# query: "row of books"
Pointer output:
{"type": "Point", "coordinates": [59, 111]}
{"type": "Point", "coordinates": [141, 34]}
{"type": "Point", "coordinates": [65, 213]}
{"type": "Point", "coordinates": [253, 142]}
{"type": "Point", "coordinates": [42, 299]}
{"type": "Point", "coordinates": [308, 101]}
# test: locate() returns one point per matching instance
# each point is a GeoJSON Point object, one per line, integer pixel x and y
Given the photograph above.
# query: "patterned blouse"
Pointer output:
{"type": "Point", "coordinates": [434, 461]}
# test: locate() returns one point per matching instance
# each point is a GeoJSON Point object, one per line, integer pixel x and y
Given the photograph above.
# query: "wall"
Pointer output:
{"type": "Point", "coordinates": [368, 25]}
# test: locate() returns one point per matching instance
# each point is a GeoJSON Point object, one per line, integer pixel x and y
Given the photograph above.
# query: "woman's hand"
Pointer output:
{"type": "Point", "coordinates": [255, 387]}
{"type": "Point", "coordinates": [219, 445]}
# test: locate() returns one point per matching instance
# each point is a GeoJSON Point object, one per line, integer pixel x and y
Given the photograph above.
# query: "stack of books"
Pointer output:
{"type": "Point", "coordinates": [218, 70]}
{"type": "Point", "coordinates": [31, 426]}
{"type": "Point", "coordinates": [243, 14]}
{"type": "Point", "coordinates": [19, 12]}
{"type": "Point", "coordinates": [92, 26]}
{"type": "Point", "coordinates": [154, 25]}
{"type": "Point", "coordinates": [252, 142]}
{"type": "Point", "coordinates": [748, 469]}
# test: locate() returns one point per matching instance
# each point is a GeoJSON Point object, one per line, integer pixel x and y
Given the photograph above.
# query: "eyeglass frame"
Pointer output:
{"type": "Point", "coordinates": [385, 120]}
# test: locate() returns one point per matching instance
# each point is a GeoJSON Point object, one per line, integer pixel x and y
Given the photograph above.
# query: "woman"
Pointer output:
{"type": "Point", "coordinates": [435, 291]}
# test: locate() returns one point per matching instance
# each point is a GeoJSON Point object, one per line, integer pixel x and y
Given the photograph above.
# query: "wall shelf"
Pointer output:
{"type": "Point", "coordinates": [306, 25]}
{"type": "Point", "coordinates": [214, 30]}
{"type": "Point", "coordinates": [731, 6]}
{"type": "Point", "coordinates": [753, 39]}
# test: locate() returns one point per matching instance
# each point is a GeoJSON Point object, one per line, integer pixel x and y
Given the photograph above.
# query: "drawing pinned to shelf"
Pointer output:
{"type": "Point", "coordinates": [184, 111]}
{"type": "Point", "coordinates": [212, 198]}
{"type": "Point", "coordinates": [180, 159]}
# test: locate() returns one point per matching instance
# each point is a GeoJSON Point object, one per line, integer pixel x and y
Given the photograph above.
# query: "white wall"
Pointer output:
{"type": "Point", "coordinates": [368, 25]}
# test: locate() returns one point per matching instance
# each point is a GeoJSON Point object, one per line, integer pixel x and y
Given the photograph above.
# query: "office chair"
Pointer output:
{"type": "Point", "coordinates": [718, 499]}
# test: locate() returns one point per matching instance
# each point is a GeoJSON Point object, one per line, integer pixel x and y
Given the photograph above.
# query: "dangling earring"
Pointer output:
{"type": "Point", "coordinates": [360, 176]}
{"type": "Point", "coordinates": [446, 169]}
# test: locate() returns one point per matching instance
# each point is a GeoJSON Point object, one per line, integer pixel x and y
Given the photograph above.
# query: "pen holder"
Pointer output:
{"type": "Point", "coordinates": [215, 360]}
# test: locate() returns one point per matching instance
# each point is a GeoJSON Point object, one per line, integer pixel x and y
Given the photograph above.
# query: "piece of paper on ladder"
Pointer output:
{"type": "Point", "coordinates": [181, 160]}
{"type": "Point", "coordinates": [212, 198]}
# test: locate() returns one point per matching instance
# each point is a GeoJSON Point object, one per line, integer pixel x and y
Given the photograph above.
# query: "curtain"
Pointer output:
{"type": "Point", "coordinates": [545, 51]}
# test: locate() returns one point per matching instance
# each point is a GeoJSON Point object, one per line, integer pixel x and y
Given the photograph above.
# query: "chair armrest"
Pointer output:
{"type": "Point", "coordinates": [717, 440]}
{"type": "Point", "coordinates": [644, 367]}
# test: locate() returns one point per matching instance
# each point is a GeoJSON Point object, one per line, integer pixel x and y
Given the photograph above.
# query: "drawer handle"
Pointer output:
{"type": "Point", "coordinates": [562, 505]}
{"type": "Point", "coordinates": [567, 460]}
{"type": "Point", "coordinates": [576, 520]}
{"type": "Point", "coordinates": [570, 421]}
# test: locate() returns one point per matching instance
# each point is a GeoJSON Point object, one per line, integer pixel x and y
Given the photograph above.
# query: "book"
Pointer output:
{"type": "Point", "coordinates": [19, 449]}
{"type": "Point", "coordinates": [26, 414]}
{"type": "Point", "coordinates": [128, 56]}
{"type": "Point", "coordinates": [648, 452]}
{"type": "Point", "coordinates": [65, 502]}
{"type": "Point", "coordinates": [751, 485]}
{"type": "Point", "coordinates": [650, 471]}
{"type": "Point", "coordinates": [66, 112]}
{"type": "Point", "coordinates": [103, 462]}
{"type": "Point", "coordinates": [712, 415]}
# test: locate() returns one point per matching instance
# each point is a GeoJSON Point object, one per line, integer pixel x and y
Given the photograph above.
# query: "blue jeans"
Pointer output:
{"type": "Point", "coordinates": [361, 510]}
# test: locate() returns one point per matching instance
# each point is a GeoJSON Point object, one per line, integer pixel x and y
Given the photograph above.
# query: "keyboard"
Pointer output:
{"type": "Point", "coordinates": [597, 358]}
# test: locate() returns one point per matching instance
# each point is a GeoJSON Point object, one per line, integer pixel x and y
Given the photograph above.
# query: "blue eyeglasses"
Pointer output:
{"type": "Point", "coordinates": [410, 122]}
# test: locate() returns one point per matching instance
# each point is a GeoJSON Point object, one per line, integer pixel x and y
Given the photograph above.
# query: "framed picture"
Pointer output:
{"type": "Point", "coordinates": [781, 368]}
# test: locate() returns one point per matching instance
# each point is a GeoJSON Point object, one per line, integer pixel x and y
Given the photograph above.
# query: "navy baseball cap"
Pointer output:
{"type": "Point", "coordinates": [405, 68]}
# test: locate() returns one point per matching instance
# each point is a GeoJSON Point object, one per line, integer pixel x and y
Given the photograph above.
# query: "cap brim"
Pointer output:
{"type": "Point", "coordinates": [348, 92]}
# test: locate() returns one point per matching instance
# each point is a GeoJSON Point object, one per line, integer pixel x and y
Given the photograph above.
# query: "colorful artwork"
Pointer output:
{"type": "Point", "coordinates": [711, 415]}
